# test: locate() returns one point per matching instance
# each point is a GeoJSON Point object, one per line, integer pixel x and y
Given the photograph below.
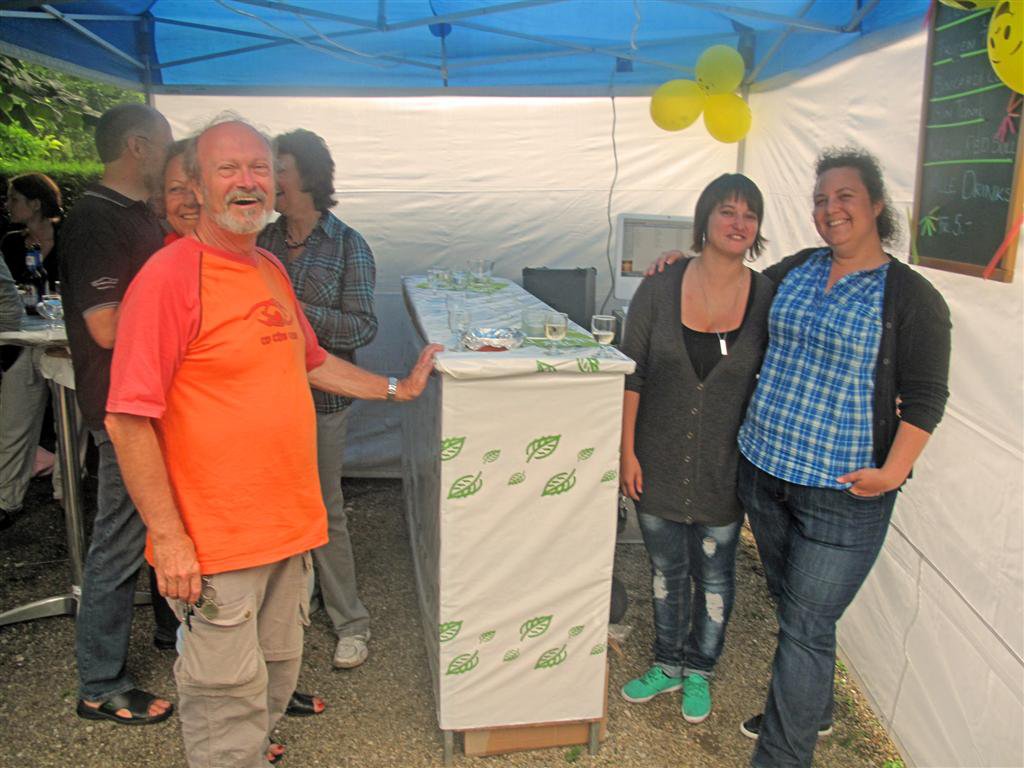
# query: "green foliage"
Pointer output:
{"type": "Point", "coordinates": [60, 110]}
{"type": "Point", "coordinates": [897, 763]}
{"type": "Point", "coordinates": [572, 754]}
{"type": "Point", "coordinates": [19, 144]}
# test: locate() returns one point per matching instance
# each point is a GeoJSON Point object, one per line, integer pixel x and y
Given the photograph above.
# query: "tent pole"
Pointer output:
{"type": "Point", "coordinates": [741, 147]}
{"type": "Point", "coordinates": [108, 47]}
{"type": "Point", "coordinates": [145, 35]}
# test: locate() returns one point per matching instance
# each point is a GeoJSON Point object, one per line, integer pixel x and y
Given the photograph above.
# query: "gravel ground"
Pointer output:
{"type": "Point", "coordinates": [382, 714]}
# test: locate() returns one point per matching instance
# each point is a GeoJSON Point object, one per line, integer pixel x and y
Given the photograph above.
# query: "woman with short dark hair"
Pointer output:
{"type": "Point", "coordinates": [697, 334]}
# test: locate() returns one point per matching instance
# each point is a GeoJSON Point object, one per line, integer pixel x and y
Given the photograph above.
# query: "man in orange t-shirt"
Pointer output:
{"type": "Point", "coordinates": [211, 415]}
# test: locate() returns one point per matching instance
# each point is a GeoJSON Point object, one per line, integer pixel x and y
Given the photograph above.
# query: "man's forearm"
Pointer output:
{"type": "Point", "coordinates": [144, 473]}
{"type": "Point", "coordinates": [343, 378]}
{"type": "Point", "coordinates": [142, 466]}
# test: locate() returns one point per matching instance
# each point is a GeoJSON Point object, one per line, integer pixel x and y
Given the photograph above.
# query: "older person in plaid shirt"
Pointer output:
{"type": "Point", "coordinates": [332, 270]}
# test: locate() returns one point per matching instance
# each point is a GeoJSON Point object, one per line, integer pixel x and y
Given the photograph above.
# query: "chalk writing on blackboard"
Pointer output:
{"type": "Point", "coordinates": [969, 167]}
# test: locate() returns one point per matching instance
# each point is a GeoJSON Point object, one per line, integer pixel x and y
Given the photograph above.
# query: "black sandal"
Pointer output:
{"type": "Point", "coordinates": [135, 701]}
{"type": "Point", "coordinates": [303, 705]}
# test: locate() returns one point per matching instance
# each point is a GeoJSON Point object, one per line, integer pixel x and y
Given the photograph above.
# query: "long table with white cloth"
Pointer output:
{"type": "Point", "coordinates": [510, 462]}
{"type": "Point", "coordinates": [49, 345]}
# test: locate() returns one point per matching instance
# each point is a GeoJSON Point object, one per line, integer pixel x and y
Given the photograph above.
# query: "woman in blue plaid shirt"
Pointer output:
{"type": "Point", "coordinates": [853, 382]}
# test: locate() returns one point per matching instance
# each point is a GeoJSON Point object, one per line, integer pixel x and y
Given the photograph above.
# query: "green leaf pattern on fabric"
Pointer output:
{"type": "Point", "coordinates": [463, 663]}
{"type": "Point", "coordinates": [511, 655]}
{"type": "Point", "coordinates": [576, 630]}
{"type": "Point", "coordinates": [542, 447]}
{"type": "Point", "coordinates": [517, 478]}
{"type": "Point", "coordinates": [608, 476]}
{"type": "Point", "coordinates": [543, 367]}
{"type": "Point", "coordinates": [449, 630]}
{"type": "Point", "coordinates": [491, 456]}
{"type": "Point", "coordinates": [588, 364]}
{"type": "Point", "coordinates": [551, 658]}
{"type": "Point", "coordinates": [487, 636]}
{"type": "Point", "coordinates": [451, 447]}
{"type": "Point", "coordinates": [534, 627]}
{"type": "Point", "coordinates": [597, 650]}
{"type": "Point", "coordinates": [585, 454]}
{"type": "Point", "coordinates": [466, 486]}
{"type": "Point", "coordinates": [563, 482]}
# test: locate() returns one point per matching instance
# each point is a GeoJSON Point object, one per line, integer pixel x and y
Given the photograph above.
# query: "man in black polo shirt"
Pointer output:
{"type": "Point", "coordinates": [105, 240]}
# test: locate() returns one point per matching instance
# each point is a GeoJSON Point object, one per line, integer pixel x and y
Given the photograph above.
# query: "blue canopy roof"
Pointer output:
{"type": "Point", "coordinates": [372, 46]}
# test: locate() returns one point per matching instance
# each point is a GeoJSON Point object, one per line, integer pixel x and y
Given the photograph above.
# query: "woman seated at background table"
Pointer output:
{"type": "Point", "coordinates": [34, 202]}
{"type": "Point", "coordinates": [697, 334]}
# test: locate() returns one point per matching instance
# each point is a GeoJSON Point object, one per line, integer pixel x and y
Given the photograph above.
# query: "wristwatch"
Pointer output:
{"type": "Point", "coordinates": [392, 387]}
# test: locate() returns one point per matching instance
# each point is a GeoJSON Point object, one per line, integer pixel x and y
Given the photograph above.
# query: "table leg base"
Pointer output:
{"type": "Point", "coordinates": [60, 605]}
{"type": "Point", "coordinates": [449, 747]}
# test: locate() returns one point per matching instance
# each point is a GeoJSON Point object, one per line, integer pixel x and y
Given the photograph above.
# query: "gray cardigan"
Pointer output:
{"type": "Point", "coordinates": [685, 437]}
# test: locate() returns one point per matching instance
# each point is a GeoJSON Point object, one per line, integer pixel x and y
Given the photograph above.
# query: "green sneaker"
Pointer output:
{"type": "Point", "coordinates": [696, 699]}
{"type": "Point", "coordinates": [653, 682]}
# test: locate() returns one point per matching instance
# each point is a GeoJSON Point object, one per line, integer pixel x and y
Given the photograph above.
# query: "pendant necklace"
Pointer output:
{"type": "Point", "coordinates": [722, 346]}
{"type": "Point", "coordinates": [292, 245]}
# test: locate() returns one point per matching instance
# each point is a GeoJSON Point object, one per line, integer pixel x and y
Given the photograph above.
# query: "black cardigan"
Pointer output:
{"type": "Point", "coordinates": [913, 353]}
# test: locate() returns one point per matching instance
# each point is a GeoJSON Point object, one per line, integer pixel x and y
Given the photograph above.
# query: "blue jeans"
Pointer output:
{"type": "Point", "coordinates": [689, 633]}
{"type": "Point", "coordinates": [817, 546]}
{"type": "Point", "coordinates": [104, 623]}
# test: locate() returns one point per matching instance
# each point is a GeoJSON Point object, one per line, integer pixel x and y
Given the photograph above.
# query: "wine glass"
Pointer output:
{"type": "Point", "coordinates": [481, 269]}
{"type": "Point", "coordinates": [603, 329]}
{"type": "Point", "coordinates": [52, 309]}
{"type": "Point", "coordinates": [556, 324]}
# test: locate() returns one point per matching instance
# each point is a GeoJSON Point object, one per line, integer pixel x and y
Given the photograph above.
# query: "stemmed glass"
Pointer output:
{"type": "Point", "coordinates": [52, 309]}
{"type": "Point", "coordinates": [481, 270]}
{"type": "Point", "coordinates": [556, 324]}
{"type": "Point", "coordinates": [603, 329]}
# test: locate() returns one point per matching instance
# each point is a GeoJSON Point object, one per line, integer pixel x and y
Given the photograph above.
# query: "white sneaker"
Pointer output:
{"type": "Point", "coordinates": [351, 651]}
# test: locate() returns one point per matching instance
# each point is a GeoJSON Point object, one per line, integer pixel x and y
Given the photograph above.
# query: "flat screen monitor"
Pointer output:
{"type": "Point", "coordinates": [639, 240]}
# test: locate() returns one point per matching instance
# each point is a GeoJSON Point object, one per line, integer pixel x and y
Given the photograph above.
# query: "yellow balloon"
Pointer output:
{"type": "Point", "coordinates": [720, 69]}
{"type": "Point", "coordinates": [727, 117]}
{"type": "Point", "coordinates": [969, 5]}
{"type": "Point", "coordinates": [676, 104]}
{"type": "Point", "coordinates": [1006, 43]}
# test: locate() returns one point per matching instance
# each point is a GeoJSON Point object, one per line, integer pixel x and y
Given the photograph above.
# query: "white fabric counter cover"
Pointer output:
{"type": "Point", "coordinates": [511, 482]}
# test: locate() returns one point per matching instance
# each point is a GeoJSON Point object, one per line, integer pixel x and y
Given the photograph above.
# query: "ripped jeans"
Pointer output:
{"type": "Point", "coordinates": [690, 631]}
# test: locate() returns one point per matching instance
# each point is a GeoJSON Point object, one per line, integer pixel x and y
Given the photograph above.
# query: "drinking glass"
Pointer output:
{"type": "Point", "coordinates": [603, 328]}
{"type": "Point", "coordinates": [556, 324]}
{"type": "Point", "coordinates": [52, 309]}
{"type": "Point", "coordinates": [481, 269]}
{"type": "Point", "coordinates": [460, 280]}
{"type": "Point", "coordinates": [532, 320]}
{"type": "Point", "coordinates": [437, 278]}
{"type": "Point", "coordinates": [458, 319]}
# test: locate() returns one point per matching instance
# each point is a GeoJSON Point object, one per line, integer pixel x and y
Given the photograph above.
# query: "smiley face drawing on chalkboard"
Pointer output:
{"type": "Point", "coordinates": [1006, 43]}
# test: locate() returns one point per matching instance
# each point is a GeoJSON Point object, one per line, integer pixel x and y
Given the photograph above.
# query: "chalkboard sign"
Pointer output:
{"type": "Point", "coordinates": [969, 187]}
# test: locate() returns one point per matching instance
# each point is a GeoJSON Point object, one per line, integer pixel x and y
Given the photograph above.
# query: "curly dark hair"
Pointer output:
{"type": "Point", "coordinates": [314, 163]}
{"type": "Point", "coordinates": [870, 171]}
{"type": "Point", "coordinates": [39, 186]}
{"type": "Point", "coordinates": [728, 186]}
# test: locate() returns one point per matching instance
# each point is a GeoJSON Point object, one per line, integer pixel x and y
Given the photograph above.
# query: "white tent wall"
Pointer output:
{"type": "Point", "coordinates": [437, 180]}
{"type": "Point", "coordinates": [935, 636]}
